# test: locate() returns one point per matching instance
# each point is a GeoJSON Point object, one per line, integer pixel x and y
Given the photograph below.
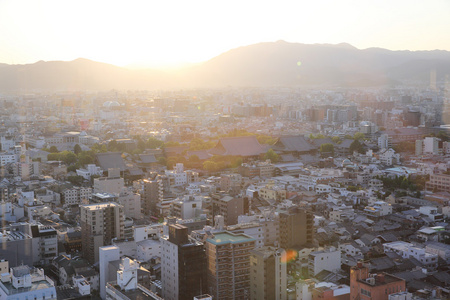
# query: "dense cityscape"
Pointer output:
{"type": "Point", "coordinates": [234, 193]}
{"type": "Point", "coordinates": [224, 150]}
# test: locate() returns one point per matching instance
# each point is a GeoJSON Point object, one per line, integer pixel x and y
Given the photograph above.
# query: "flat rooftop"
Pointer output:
{"type": "Point", "coordinates": [99, 205]}
{"type": "Point", "coordinates": [37, 285]}
{"type": "Point", "coordinates": [229, 238]}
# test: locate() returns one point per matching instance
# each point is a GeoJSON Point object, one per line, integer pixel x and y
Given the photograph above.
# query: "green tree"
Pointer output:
{"type": "Point", "coordinates": [113, 145]}
{"type": "Point", "coordinates": [77, 149]}
{"type": "Point", "coordinates": [210, 166]}
{"type": "Point", "coordinates": [236, 162]}
{"type": "Point", "coordinates": [171, 144]}
{"type": "Point", "coordinates": [162, 161]}
{"type": "Point", "coordinates": [68, 157]}
{"type": "Point", "coordinates": [272, 155]}
{"type": "Point", "coordinates": [53, 149]}
{"type": "Point", "coordinates": [359, 136]}
{"type": "Point", "coordinates": [357, 146]}
{"type": "Point", "coordinates": [336, 140]}
{"type": "Point", "coordinates": [194, 158]}
{"type": "Point", "coordinates": [75, 180]}
{"type": "Point", "coordinates": [86, 157]}
{"type": "Point", "coordinates": [154, 143]}
{"type": "Point", "coordinates": [327, 149]}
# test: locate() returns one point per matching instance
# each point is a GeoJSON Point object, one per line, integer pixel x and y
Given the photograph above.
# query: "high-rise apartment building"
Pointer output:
{"type": "Point", "coordinates": [151, 195]}
{"type": "Point", "coordinates": [296, 228]}
{"type": "Point", "coordinates": [268, 274]}
{"type": "Point", "coordinates": [183, 265]}
{"type": "Point", "coordinates": [100, 223]}
{"type": "Point", "coordinates": [228, 265]}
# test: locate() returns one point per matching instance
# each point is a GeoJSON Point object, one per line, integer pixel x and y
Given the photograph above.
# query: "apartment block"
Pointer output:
{"type": "Point", "coordinates": [183, 265]}
{"type": "Point", "coordinates": [296, 228]}
{"type": "Point", "coordinates": [228, 265]}
{"type": "Point", "coordinates": [268, 274]}
{"type": "Point", "coordinates": [100, 223]}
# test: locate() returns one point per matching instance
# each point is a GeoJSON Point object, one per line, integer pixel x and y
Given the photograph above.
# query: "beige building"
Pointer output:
{"type": "Point", "coordinates": [438, 182]}
{"type": "Point", "coordinates": [112, 184]}
{"type": "Point", "coordinates": [268, 274]}
{"type": "Point", "coordinates": [229, 207]}
{"type": "Point", "coordinates": [100, 223]}
{"type": "Point", "coordinates": [228, 265]}
{"type": "Point", "coordinates": [273, 192]}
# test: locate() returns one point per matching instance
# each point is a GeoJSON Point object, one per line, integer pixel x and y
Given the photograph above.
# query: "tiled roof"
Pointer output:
{"type": "Point", "coordinates": [239, 146]}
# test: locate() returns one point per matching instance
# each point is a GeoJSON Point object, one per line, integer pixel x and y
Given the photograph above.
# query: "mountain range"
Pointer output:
{"type": "Point", "coordinates": [264, 64]}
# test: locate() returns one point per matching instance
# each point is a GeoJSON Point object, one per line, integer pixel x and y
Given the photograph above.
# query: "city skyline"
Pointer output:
{"type": "Point", "coordinates": [157, 34]}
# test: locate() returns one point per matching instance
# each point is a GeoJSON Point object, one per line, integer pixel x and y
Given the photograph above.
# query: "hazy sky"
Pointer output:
{"type": "Point", "coordinates": [169, 32]}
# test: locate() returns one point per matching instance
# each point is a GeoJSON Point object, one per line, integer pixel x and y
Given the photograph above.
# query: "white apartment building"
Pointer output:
{"type": "Point", "coordinates": [7, 158]}
{"type": "Point", "coordinates": [329, 259]}
{"type": "Point", "coordinates": [76, 195]}
{"type": "Point", "coordinates": [407, 250]}
{"type": "Point", "coordinates": [378, 209]}
{"type": "Point", "coordinates": [388, 157]}
{"type": "Point", "coordinates": [90, 170]}
{"type": "Point", "coordinates": [24, 282]}
{"type": "Point", "coordinates": [178, 176]}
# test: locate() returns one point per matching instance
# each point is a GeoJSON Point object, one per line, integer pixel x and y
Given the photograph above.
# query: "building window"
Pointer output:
{"type": "Point", "coordinates": [365, 293]}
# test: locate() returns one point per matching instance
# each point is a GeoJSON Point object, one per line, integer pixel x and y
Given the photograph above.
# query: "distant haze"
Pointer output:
{"type": "Point", "coordinates": [174, 32]}
{"type": "Point", "coordinates": [263, 64]}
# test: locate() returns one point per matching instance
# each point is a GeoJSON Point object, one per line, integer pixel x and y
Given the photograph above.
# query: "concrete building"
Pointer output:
{"type": "Point", "coordinates": [90, 170]}
{"type": "Point", "coordinates": [261, 169]}
{"type": "Point", "coordinates": [76, 195]}
{"type": "Point", "coordinates": [273, 192]}
{"type": "Point", "coordinates": [100, 223]}
{"type": "Point", "coordinates": [112, 184]}
{"type": "Point", "coordinates": [428, 260]}
{"type": "Point", "coordinates": [367, 286]}
{"type": "Point", "coordinates": [384, 142]}
{"type": "Point", "coordinates": [230, 182]}
{"type": "Point", "coordinates": [178, 176]}
{"type": "Point", "coordinates": [229, 207]}
{"type": "Point", "coordinates": [440, 249]}
{"type": "Point", "coordinates": [254, 229]}
{"type": "Point", "coordinates": [183, 265]}
{"type": "Point", "coordinates": [438, 182]}
{"type": "Point", "coordinates": [151, 195]}
{"type": "Point", "coordinates": [126, 285]}
{"type": "Point", "coordinates": [296, 228]}
{"type": "Point", "coordinates": [329, 260]}
{"type": "Point", "coordinates": [24, 282]}
{"type": "Point", "coordinates": [268, 274]}
{"type": "Point", "coordinates": [189, 207]}
{"type": "Point", "coordinates": [378, 209]}
{"type": "Point", "coordinates": [228, 265]}
{"type": "Point", "coordinates": [131, 203]}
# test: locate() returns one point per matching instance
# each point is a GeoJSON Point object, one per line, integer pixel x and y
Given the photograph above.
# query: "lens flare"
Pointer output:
{"type": "Point", "coordinates": [299, 63]}
{"type": "Point", "coordinates": [288, 256]}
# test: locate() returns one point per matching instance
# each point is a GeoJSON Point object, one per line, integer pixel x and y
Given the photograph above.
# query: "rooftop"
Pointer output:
{"type": "Point", "coordinates": [229, 238]}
